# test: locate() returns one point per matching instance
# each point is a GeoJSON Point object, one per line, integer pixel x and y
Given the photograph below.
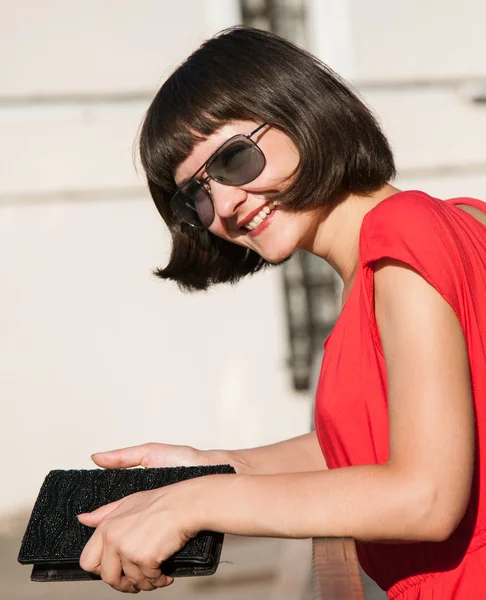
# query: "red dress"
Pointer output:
{"type": "Point", "coordinates": [447, 246]}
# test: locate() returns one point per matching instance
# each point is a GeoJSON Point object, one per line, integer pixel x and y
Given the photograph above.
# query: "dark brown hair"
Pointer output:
{"type": "Point", "coordinates": [248, 74]}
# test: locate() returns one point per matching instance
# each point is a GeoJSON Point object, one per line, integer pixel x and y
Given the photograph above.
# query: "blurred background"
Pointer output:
{"type": "Point", "coordinates": [95, 352]}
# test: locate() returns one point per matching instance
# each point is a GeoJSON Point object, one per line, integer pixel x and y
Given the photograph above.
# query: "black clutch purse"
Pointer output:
{"type": "Point", "coordinates": [54, 538]}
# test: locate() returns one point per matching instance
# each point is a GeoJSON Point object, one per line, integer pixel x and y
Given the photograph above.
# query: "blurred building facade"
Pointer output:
{"type": "Point", "coordinates": [96, 353]}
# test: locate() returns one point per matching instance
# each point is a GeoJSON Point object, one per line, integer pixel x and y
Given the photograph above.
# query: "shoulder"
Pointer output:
{"type": "Point", "coordinates": [410, 222]}
{"type": "Point", "coordinates": [404, 209]}
{"type": "Point", "coordinates": [416, 230]}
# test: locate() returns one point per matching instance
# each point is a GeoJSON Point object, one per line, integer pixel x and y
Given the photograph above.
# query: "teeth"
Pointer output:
{"type": "Point", "coordinates": [261, 216]}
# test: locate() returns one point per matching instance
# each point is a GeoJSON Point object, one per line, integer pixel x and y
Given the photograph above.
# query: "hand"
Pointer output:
{"type": "Point", "coordinates": [150, 455]}
{"type": "Point", "coordinates": [135, 535]}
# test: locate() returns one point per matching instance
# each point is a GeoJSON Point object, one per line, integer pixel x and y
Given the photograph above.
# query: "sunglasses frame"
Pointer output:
{"type": "Point", "coordinates": [206, 165]}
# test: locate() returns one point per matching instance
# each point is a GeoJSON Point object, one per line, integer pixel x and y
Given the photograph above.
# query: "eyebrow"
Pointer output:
{"type": "Point", "coordinates": [184, 181]}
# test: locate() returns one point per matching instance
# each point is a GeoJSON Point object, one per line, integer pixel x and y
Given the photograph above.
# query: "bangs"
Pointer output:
{"type": "Point", "coordinates": [186, 111]}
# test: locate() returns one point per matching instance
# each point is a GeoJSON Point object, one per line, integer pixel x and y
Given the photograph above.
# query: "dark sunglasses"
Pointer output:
{"type": "Point", "coordinates": [236, 162]}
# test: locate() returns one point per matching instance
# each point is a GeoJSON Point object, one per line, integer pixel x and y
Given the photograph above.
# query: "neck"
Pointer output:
{"type": "Point", "coordinates": [336, 238]}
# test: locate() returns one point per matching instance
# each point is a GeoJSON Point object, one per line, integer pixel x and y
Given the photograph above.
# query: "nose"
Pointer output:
{"type": "Point", "coordinates": [227, 199]}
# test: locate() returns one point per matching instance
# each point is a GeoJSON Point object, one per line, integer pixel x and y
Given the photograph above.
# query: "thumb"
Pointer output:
{"type": "Point", "coordinates": [94, 518]}
{"type": "Point", "coordinates": [132, 456]}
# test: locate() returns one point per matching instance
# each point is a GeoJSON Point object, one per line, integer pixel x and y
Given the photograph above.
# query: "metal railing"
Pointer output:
{"type": "Point", "coordinates": [335, 570]}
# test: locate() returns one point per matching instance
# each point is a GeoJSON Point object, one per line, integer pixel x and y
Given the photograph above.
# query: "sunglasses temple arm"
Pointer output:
{"type": "Point", "coordinates": [256, 130]}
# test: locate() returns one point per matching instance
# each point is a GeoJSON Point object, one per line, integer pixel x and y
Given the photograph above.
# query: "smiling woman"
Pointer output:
{"type": "Point", "coordinates": [229, 87]}
{"type": "Point", "coordinates": [254, 149]}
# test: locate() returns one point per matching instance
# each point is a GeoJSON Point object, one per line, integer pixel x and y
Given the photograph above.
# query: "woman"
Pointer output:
{"type": "Point", "coordinates": [253, 149]}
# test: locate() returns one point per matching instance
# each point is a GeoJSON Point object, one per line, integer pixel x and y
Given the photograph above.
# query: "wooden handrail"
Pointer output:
{"type": "Point", "coordinates": [335, 570]}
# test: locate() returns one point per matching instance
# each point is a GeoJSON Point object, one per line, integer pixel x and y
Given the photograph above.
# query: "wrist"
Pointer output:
{"type": "Point", "coordinates": [225, 457]}
{"type": "Point", "coordinates": [197, 500]}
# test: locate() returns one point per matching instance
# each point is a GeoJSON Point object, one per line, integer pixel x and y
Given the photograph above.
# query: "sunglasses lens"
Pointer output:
{"type": "Point", "coordinates": [237, 162]}
{"type": "Point", "coordinates": [193, 204]}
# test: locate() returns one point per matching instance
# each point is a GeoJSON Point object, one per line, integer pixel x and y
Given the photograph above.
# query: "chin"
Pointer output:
{"type": "Point", "coordinates": [277, 255]}
{"type": "Point", "coordinates": [278, 262]}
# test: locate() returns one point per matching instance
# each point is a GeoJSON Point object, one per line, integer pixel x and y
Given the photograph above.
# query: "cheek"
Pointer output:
{"type": "Point", "coordinates": [218, 230]}
{"type": "Point", "coordinates": [277, 171]}
{"type": "Point", "coordinates": [205, 211]}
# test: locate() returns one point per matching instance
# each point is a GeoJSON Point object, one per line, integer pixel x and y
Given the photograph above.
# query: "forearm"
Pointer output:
{"type": "Point", "coordinates": [369, 503]}
{"type": "Point", "coordinates": [299, 454]}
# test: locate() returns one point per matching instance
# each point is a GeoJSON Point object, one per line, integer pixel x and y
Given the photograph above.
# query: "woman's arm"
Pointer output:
{"type": "Point", "coordinates": [296, 455]}
{"type": "Point", "coordinates": [420, 494]}
{"type": "Point", "coordinates": [423, 490]}
{"type": "Point", "coordinates": [371, 503]}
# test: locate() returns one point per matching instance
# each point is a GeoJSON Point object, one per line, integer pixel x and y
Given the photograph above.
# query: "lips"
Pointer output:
{"type": "Point", "coordinates": [262, 226]}
{"type": "Point", "coordinates": [256, 218]}
{"type": "Point", "coordinates": [252, 215]}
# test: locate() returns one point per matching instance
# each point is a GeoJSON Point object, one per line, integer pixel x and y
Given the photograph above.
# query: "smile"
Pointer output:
{"type": "Point", "coordinates": [261, 216]}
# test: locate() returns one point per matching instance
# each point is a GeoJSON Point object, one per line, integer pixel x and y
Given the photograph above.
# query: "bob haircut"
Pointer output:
{"type": "Point", "coordinates": [248, 74]}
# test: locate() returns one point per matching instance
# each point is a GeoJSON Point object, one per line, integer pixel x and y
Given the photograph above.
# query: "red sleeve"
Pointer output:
{"type": "Point", "coordinates": [420, 231]}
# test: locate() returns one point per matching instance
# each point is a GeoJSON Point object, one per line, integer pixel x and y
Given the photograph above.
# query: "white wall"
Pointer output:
{"type": "Point", "coordinates": [397, 42]}
{"type": "Point", "coordinates": [420, 66]}
{"type": "Point", "coordinates": [95, 46]}
{"type": "Point", "coordinates": [417, 40]}
{"type": "Point", "coordinates": [95, 353]}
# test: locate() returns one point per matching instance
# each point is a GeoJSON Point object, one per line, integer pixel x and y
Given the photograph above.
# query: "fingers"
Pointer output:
{"type": "Point", "coordinates": [136, 577]}
{"type": "Point", "coordinates": [166, 579]}
{"type": "Point", "coordinates": [127, 576]}
{"type": "Point", "coordinates": [90, 559]}
{"type": "Point", "coordinates": [133, 456]}
{"type": "Point", "coordinates": [111, 572]}
{"type": "Point", "coordinates": [120, 565]}
{"type": "Point", "coordinates": [94, 518]}
{"type": "Point", "coordinates": [145, 579]}
{"type": "Point", "coordinates": [162, 581]}
{"type": "Point", "coordinates": [155, 576]}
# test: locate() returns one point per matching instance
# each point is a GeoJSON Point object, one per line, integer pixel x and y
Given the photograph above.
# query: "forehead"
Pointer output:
{"type": "Point", "coordinates": [203, 150]}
